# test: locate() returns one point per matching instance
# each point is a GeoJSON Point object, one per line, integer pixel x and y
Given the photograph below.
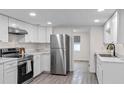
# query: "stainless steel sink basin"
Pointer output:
{"type": "Point", "coordinates": [106, 55]}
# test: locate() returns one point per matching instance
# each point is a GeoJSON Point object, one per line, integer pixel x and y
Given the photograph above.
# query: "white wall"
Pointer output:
{"type": "Point", "coordinates": [119, 50]}
{"type": "Point", "coordinates": [96, 45]}
{"type": "Point", "coordinates": [83, 54]}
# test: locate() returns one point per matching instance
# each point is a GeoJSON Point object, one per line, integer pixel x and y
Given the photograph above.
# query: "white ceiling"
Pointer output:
{"type": "Point", "coordinates": [60, 17]}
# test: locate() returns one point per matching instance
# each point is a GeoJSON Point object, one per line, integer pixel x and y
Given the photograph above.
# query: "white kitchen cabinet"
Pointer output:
{"type": "Point", "coordinates": [114, 29]}
{"type": "Point", "coordinates": [10, 72]}
{"type": "Point", "coordinates": [45, 59]}
{"type": "Point", "coordinates": [32, 30]}
{"type": "Point", "coordinates": [1, 73]}
{"type": "Point", "coordinates": [99, 74]}
{"type": "Point", "coordinates": [120, 26]}
{"type": "Point", "coordinates": [110, 30]}
{"type": "Point", "coordinates": [110, 72]}
{"type": "Point", "coordinates": [37, 61]}
{"type": "Point", "coordinates": [3, 28]}
{"type": "Point", "coordinates": [28, 37]}
{"type": "Point", "coordinates": [99, 71]}
{"type": "Point", "coordinates": [41, 63]}
{"type": "Point", "coordinates": [34, 34]}
{"type": "Point", "coordinates": [48, 33]}
{"type": "Point", "coordinates": [10, 76]}
{"type": "Point", "coordinates": [16, 23]}
{"type": "Point", "coordinates": [42, 34]}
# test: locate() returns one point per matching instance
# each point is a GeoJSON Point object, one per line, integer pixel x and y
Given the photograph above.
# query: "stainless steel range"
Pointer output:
{"type": "Point", "coordinates": [25, 63]}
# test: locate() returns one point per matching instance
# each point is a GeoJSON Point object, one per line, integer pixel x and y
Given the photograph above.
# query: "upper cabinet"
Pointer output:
{"type": "Point", "coordinates": [3, 28]}
{"type": "Point", "coordinates": [110, 29]}
{"type": "Point", "coordinates": [120, 26]}
{"type": "Point", "coordinates": [114, 28]}
{"type": "Point", "coordinates": [48, 33]}
{"type": "Point", "coordinates": [44, 34]}
{"type": "Point", "coordinates": [36, 34]}
{"type": "Point", "coordinates": [32, 30]}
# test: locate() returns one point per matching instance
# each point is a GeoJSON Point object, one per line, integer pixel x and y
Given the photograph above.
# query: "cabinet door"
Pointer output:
{"type": "Point", "coordinates": [100, 74]}
{"type": "Point", "coordinates": [34, 34]}
{"type": "Point", "coordinates": [1, 73]}
{"type": "Point", "coordinates": [3, 28]}
{"type": "Point", "coordinates": [16, 23]}
{"type": "Point", "coordinates": [42, 34]}
{"type": "Point", "coordinates": [114, 28]}
{"type": "Point", "coordinates": [49, 32]}
{"type": "Point", "coordinates": [41, 63]}
{"type": "Point", "coordinates": [46, 61]}
{"type": "Point", "coordinates": [120, 26]}
{"type": "Point", "coordinates": [37, 60]}
{"type": "Point", "coordinates": [28, 37]}
{"type": "Point", "coordinates": [108, 32]}
{"type": "Point", "coordinates": [10, 76]}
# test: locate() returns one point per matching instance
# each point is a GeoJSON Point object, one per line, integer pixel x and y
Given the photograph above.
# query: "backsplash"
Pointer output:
{"type": "Point", "coordinates": [120, 50]}
{"type": "Point", "coordinates": [28, 46]}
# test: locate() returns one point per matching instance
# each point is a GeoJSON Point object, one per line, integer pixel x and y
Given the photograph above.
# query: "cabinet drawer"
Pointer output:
{"type": "Point", "coordinates": [100, 74]}
{"type": "Point", "coordinates": [10, 64]}
{"type": "Point", "coordinates": [10, 70]}
{"type": "Point", "coordinates": [10, 76]}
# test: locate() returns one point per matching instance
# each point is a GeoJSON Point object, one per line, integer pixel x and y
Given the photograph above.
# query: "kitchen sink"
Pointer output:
{"type": "Point", "coordinates": [106, 55]}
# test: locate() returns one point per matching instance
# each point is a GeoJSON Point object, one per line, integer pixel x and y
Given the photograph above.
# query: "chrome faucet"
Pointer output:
{"type": "Point", "coordinates": [111, 46]}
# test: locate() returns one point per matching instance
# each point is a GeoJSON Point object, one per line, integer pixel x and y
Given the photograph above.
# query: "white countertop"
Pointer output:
{"type": "Point", "coordinates": [3, 60]}
{"type": "Point", "coordinates": [38, 52]}
{"type": "Point", "coordinates": [111, 59]}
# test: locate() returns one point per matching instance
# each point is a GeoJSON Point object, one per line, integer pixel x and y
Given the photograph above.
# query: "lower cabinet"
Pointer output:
{"type": "Point", "coordinates": [100, 74]}
{"type": "Point", "coordinates": [37, 61]}
{"type": "Point", "coordinates": [41, 63]}
{"type": "Point", "coordinates": [10, 72]}
{"type": "Point", "coordinates": [110, 72]}
{"type": "Point", "coordinates": [10, 76]}
{"type": "Point", "coordinates": [45, 62]}
{"type": "Point", "coordinates": [99, 71]}
{"type": "Point", "coordinates": [1, 73]}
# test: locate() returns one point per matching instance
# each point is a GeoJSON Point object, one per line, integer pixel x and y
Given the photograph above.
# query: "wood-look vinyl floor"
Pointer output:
{"type": "Point", "coordinates": [80, 75]}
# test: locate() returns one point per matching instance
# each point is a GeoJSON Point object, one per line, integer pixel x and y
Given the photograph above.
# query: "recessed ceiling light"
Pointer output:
{"type": "Point", "coordinates": [49, 23]}
{"type": "Point", "coordinates": [74, 30]}
{"type": "Point", "coordinates": [100, 10]}
{"type": "Point", "coordinates": [96, 20]}
{"type": "Point", "coordinates": [32, 14]}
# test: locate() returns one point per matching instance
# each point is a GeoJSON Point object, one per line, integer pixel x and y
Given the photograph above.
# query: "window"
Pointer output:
{"type": "Point", "coordinates": [76, 43]}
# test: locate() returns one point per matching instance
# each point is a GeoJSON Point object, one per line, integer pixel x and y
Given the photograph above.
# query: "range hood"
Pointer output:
{"type": "Point", "coordinates": [17, 31]}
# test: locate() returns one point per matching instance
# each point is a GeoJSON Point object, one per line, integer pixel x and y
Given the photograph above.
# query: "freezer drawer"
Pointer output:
{"type": "Point", "coordinates": [58, 62]}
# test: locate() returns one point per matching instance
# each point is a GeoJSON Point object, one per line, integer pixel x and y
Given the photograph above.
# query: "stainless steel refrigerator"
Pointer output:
{"type": "Point", "coordinates": [60, 58]}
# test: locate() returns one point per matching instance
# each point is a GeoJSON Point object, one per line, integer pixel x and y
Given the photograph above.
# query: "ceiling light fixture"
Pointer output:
{"type": "Point", "coordinates": [100, 10]}
{"type": "Point", "coordinates": [74, 30]}
{"type": "Point", "coordinates": [49, 23]}
{"type": "Point", "coordinates": [96, 20]}
{"type": "Point", "coordinates": [32, 14]}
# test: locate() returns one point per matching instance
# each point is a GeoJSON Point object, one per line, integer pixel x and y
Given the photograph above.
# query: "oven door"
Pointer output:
{"type": "Point", "coordinates": [25, 70]}
{"type": "Point", "coordinates": [29, 69]}
{"type": "Point", "coordinates": [21, 72]}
